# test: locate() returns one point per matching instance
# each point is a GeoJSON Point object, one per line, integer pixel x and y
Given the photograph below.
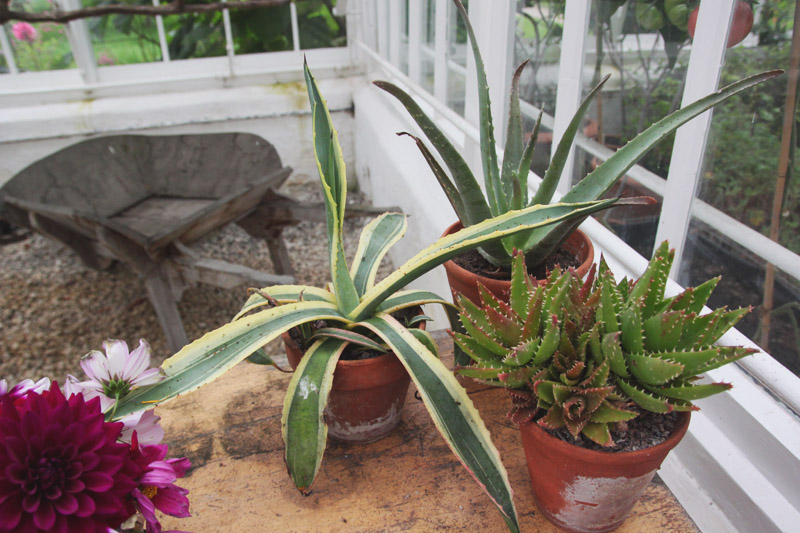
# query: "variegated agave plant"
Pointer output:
{"type": "Point", "coordinates": [580, 354]}
{"type": "Point", "coordinates": [354, 300]}
{"type": "Point", "coordinates": [506, 184]}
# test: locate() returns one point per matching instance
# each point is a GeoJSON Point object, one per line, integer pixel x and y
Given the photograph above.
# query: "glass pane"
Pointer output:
{"type": "Point", "coordinates": [740, 177]}
{"type": "Point", "coordinates": [195, 34]}
{"type": "Point", "coordinates": [266, 29]}
{"type": "Point", "coordinates": [3, 63]}
{"type": "Point", "coordinates": [123, 39]}
{"type": "Point", "coordinates": [741, 166]}
{"type": "Point", "coordinates": [318, 26]}
{"type": "Point", "coordinates": [537, 38]}
{"type": "Point", "coordinates": [456, 35]}
{"type": "Point", "coordinates": [647, 53]}
{"type": "Point", "coordinates": [404, 37]}
{"type": "Point", "coordinates": [428, 44]}
{"type": "Point", "coordinates": [38, 46]}
{"type": "Point", "coordinates": [456, 91]}
{"type": "Point", "coordinates": [709, 254]}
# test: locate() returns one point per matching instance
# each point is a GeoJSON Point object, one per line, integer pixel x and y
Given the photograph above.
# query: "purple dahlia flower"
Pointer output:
{"type": "Point", "coordinates": [61, 467]}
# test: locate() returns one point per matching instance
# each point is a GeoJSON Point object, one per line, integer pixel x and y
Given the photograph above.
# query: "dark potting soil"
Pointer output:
{"type": "Point", "coordinates": [351, 351]}
{"type": "Point", "coordinates": [646, 430]}
{"type": "Point", "coordinates": [475, 263]}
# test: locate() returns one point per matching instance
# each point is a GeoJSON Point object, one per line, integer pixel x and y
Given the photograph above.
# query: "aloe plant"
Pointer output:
{"type": "Point", "coordinates": [354, 301]}
{"type": "Point", "coordinates": [507, 184]}
{"type": "Point", "coordinates": [581, 354]}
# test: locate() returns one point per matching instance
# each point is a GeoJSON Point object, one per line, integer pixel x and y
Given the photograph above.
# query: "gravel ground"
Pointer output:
{"type": "Point", "coordinates": [53, 309]}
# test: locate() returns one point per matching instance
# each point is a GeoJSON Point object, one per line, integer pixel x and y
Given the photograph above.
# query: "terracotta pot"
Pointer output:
{"type": "Point", "coordinates": [366, 397]}
{"type": "Point", "coordinates": [465, 282]}
{"type": "Point", "coordinates": [582, 490]}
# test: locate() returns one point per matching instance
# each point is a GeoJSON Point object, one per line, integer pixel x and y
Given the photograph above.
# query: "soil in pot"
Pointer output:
{"type": "Point", "coordinates": [467, 270]}
{"type": "Point", "coordinates": [589, 490]}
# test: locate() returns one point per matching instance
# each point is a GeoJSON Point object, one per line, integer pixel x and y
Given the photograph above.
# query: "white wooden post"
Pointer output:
{"type": "Point", "coordinates": [702, 77]}
{"type": "Point", "coordinates": [162, 35]}
{"type": "Point", "coordinates": [295, 26]}
{"type": "Point", "coordinates": [414, 40]}
{"type": "Point", "coordinates": [570, 78]}
{"type": "Point", "coordinates": [383, 28]}
{"type": "Point", "coordinates": [81, 44]}
{"type": "Point", "coordinates": [395, 18]}
{"type": "Point", "coordinates": [440, 71]}
{"type": "Point", "coordinates": [8, 53]}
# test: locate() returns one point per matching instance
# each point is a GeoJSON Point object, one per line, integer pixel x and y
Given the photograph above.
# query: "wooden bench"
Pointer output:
{"type": "Point", "coordinates": [143, 200]}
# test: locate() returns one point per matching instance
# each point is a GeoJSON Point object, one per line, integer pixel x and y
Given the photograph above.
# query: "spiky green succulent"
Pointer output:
{"type": "Point", "coordinates": [506, 183]}
{"type": "Point", "coordinates": [580, 354]}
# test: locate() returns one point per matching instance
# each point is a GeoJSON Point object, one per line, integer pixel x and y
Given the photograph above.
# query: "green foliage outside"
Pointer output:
{"type": "Point", "coordinates": [48, 50]}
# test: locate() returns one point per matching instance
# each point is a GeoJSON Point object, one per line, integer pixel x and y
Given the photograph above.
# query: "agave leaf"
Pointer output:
{"type": "Point", "coordinates": [283, 294]}
{"type": "Point", "coordinates": [653, 370]}
{"type": "Point", "coordinates": [527, 156]}
{"type": "Point", "coordinates": [474, 203]}
{"type": "Point", "coordinates": [426, 339]}
{"type": "Point", "coordinates": [376, 239]}
{"type": "Point", "coordinates": [412, 298]}
{"type": "Point", "coordinates": [347, 336]}
{"type": "Point", "coordinates": [513, 149]}
{"type": "Point", "coordinates": [644, 399]}
{"type": "Point", "coordinates": [213, 354]}
{"type": "Point", "coordinates": [330, 164]}
{"type": "Point", "coordinates": [551, 177]}
{"type": "Point", "coordinates": [694, 392]}
{"type": "Point", "coordinates": [418, 319]}
{"type": "Point", "coordinates": [464, 240]}
{"type": "Point", "coordinates": [452, 412]}
{"type": "Point", "coordinates": [260, 357]}
{"type": "Point", "coordinates": [302, 423]}
{"type": "Point", "coordinates": [450, 190]}
{"type": "Point", "coordinates": [498, 202]}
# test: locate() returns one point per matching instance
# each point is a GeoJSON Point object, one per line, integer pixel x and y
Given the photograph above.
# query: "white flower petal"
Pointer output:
{"type": "Point", "coordinates": [117, 352]}
{"type": "Point", "coordinates": [146, 425]}
{"type": "Point", "coordinates": [95, 366]}
{"type": "Point", "coordinates": [148, 377]}
{"type": "Point", "coordinates": [3, 387]}
{"type": "Point", "coordinates": [138, 361]}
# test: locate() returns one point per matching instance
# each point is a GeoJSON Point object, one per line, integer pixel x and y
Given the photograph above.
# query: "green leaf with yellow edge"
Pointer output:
{"type": "Point", "coordinates": [302, 422]}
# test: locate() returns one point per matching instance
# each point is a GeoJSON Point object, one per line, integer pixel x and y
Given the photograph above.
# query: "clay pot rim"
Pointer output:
{"type": "Point", "coordinates": [454, 227]}
{"type": "Point", "coordinates": [592, 456]}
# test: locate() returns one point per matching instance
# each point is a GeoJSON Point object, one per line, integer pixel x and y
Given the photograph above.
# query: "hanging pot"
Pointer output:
{"type": "Point", "coordinates": [582, 490]}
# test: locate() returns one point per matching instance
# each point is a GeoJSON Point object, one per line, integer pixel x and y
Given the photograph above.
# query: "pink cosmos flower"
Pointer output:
{"type": "Point", "coordinates": [156, 488]}
{"type": "Point", "coordinates": [61, 467]}
{"type": "Point", "coordinates": [24, 32]}
{"type": "Point", "coordinates": [119, 371]}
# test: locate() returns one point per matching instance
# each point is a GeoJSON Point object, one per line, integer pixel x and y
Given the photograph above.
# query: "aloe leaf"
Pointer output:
{"type": "Point", "coordinates": [347, 336]}
{"type": "Point", "coordinates": [473, 348]}
{"type": "Point", "coordinates": [475, 206]}
{"type": "Point", "coordinates": [608, 413]}
{"type": "Point", "coordinates": [260, 357]}
{"type": "Point", "coordinates": [467, 239]}
{"type": "Point", "coordinates": [596, 184]}
{"type": "Point", "coordinates": [599, 433]}
{"type": "Point", "coordinates": [649, 289]}
{"type": "Point", "coordinates": [283, 294]}
{"type": "Point", "coordinates": [491, 175]}
{"type": "Point", "coordinates": [653, 370]}
{"type": "Point", "coordinates": [644, 399]}
{"type": "Point", "coordinates": [330, 164]}
{"type": "Point", "coordinates": [544, 194]}
{"type": "Point", "coordinates": [213, 354]}
{"type": "Point", "coordinates": [693, 299]}
{"type": "Point", "coordinates": [302, 423]}
{"type": "Point", "coordinates": [663, 332]}
{"type": "Point", "coordinates": [452, 412]}
{"type": "Point", "coordinates": [727, 354]}
{"type": "Point", "coordinates": [449, 188]}
{"type": "Point", "coordinates": [612, 350]}
{"type": "Point", "coordinates": [694, 392]}
{"type": "Point", "coordinates": [376, 239]}
{"type": "Point", "coordinates": [512, 153]}
{"type": "Point", "coordinates": [518, 297]}
{"type": "Point", "coordinates": [631, 328]}
{"type": "Point", "coordinates": [549, 343]}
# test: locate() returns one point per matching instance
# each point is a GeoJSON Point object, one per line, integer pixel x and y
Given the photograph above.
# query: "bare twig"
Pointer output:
{"type": "Point", "coordinates": [173, 8]}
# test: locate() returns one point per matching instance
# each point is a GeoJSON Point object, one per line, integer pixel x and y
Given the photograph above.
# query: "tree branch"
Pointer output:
{"type": "Point", "coordinates": [173, 8]}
